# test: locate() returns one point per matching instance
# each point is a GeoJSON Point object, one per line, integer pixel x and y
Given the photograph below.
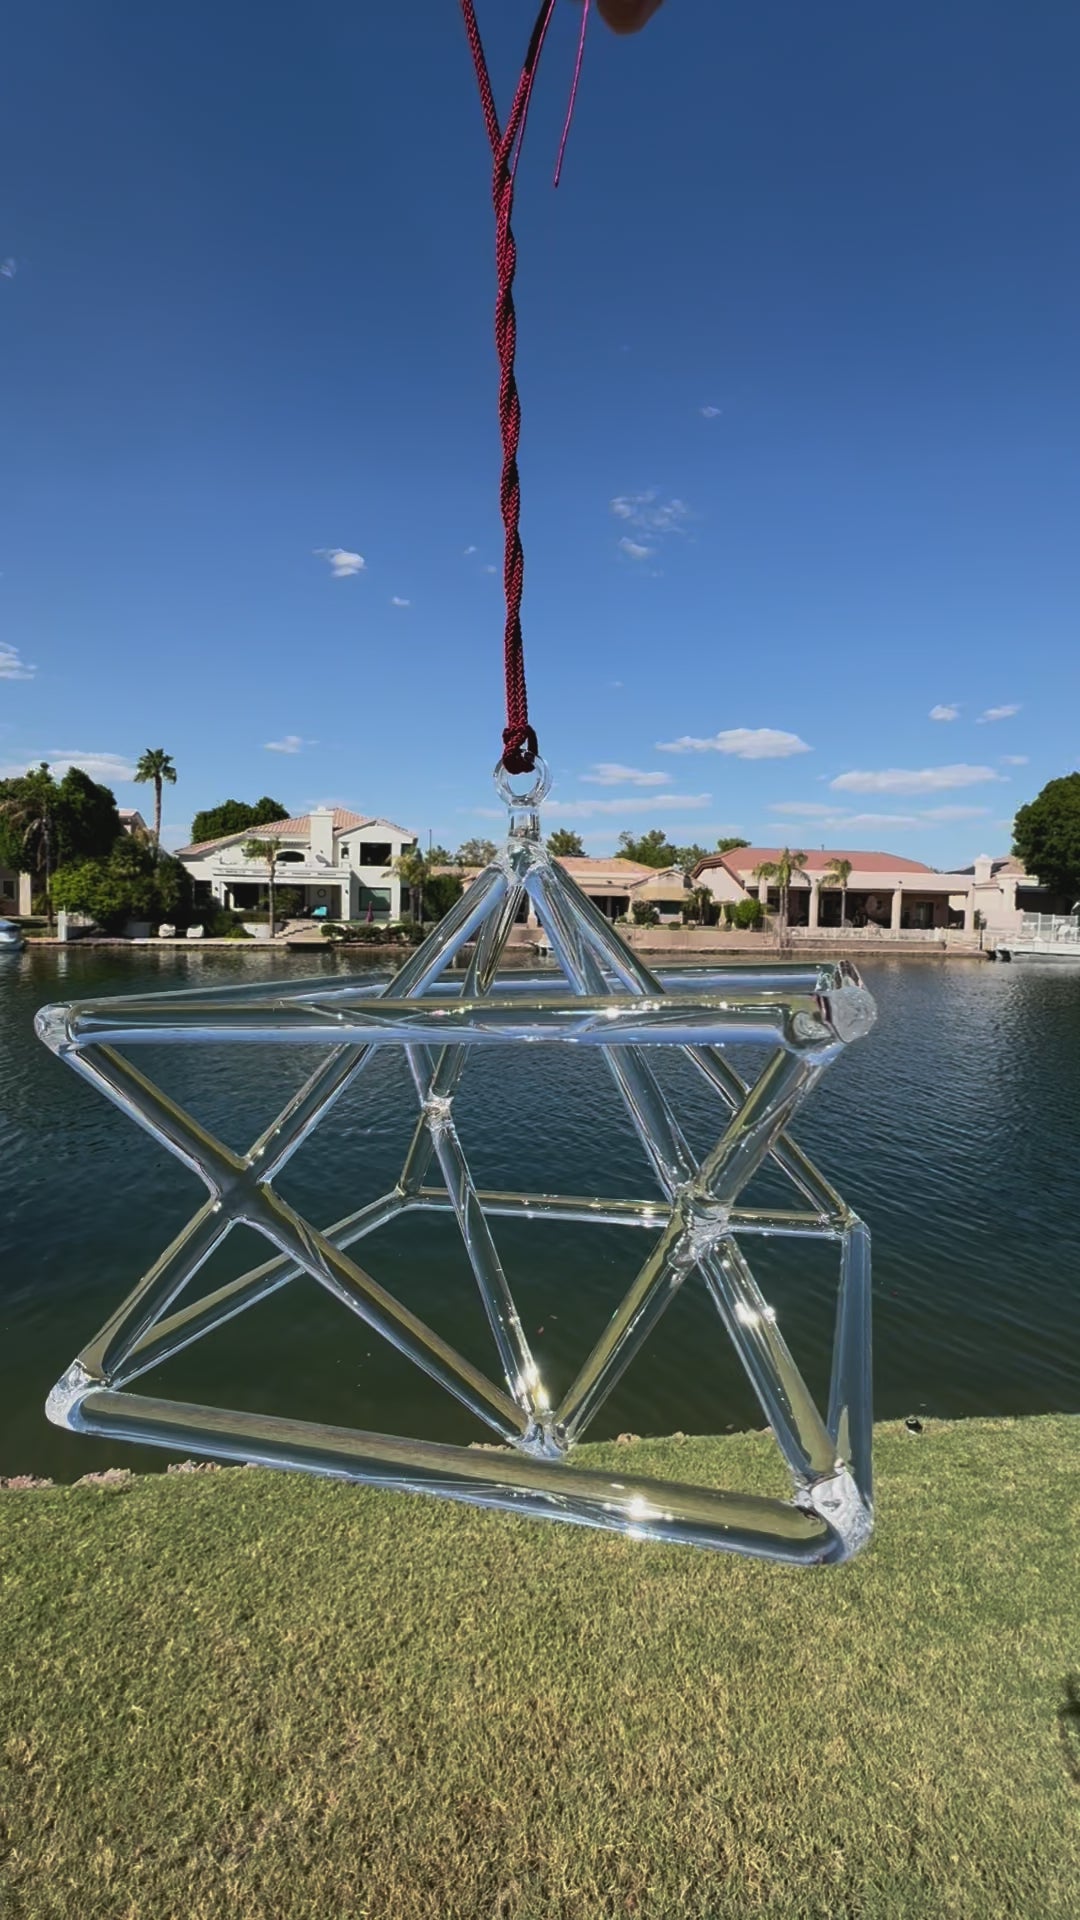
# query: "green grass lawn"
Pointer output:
{"type": "Point", "coordinates": [250, 1694]}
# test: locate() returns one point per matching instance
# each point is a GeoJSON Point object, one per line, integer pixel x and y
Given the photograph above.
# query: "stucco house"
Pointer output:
{"type": "Point", "coordinates": [884, 890]}
{"type": "Point", "coordinates": [15, 891]}
{"type": "Point", "coordinates": [340, 862]}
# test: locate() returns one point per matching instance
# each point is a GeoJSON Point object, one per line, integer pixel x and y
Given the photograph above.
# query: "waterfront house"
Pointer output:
{"type": "Point", "coordinates": [884, 891]}
{"type": "Point", "coordinates": [341, 863]}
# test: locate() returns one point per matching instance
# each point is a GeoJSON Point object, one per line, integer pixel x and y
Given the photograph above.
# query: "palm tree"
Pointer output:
{"type": "Point", "coordinates": [267, 850]}
{"type": "Point", "coordinates": [782, 870]}
{"type": "Point", "coordinates": [699, 902]}
{"type": "Point", "coordinates": [156, 765]}
{"type": "Point", "coordinates": [413, 871]}
{"type": "Point", "coordinates": [837, 874]}
{"type": "Point", "coordinates": [29, 813]}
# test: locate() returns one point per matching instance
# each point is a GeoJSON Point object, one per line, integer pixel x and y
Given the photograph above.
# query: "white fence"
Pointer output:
{"type": "Point", "coordinates": [1059, 927]}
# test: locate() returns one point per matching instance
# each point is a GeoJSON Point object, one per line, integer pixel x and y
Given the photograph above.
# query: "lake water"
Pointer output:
{"type": "Point", "coordinates": [953, 1129]}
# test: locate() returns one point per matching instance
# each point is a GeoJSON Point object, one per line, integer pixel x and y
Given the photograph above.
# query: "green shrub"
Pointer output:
{"type": "Point", "coordinates": [747, 913]}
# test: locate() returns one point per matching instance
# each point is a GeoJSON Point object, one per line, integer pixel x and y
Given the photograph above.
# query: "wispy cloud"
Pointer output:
{"type": "Point", "coordinates": [468, 551]}
{"type": "Point", "coordinates": [634, 550]}
{"type": "Point", "coordinates": [397, 601]}
{"type": "Point", "coordinates": [1014, 759]}
{"type": "Point", "coordinates": [292, 743]}
{"type": "Point", "coordinates": [11, 666]}
{"type": "Point", "coordinates": [945, 713]}
{"type": "Point", "coordinates": [490, 569]}
{"type": "Point", "coordinates": [629, 803]}
{"type": "Point", "coordinates": [820, 813]}
{"type": "Point", "coordinates": [913, 780]}
{"type": "Point", "coordinates": [943, 814]}
{"type": "Point", "coordinates": [106, 767]}
{"type": "Point", "coordinates": [8, 268]}
{"type": "Point", "coordinates": [342, 562]}
{"type": "Point", "coordinates": [745, 743]}
{"type": "Point", "coordinates": [710, 413]}
{"type": "Point", "coordinates": [648, 513]}
{"type": "Point", "coordinates": [608, 773]}
{"type": "Point", "coordinates": [991, 714]}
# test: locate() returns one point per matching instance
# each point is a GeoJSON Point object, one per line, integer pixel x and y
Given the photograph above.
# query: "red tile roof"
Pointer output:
{"type": "Point", "coordinates": [298, 829]}
{"type": "Point", "coordinates": [742, 860]}
{"type": "Point", "coordinates": [584, 868]}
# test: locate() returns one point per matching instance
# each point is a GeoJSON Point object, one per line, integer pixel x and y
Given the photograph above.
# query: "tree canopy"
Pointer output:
{"type": "Point", "coordinates": [130, 882]}
{"type": "Point", "coordinates": [475, 853]}
{"type": "Point", "coordinates": [652, 849]}
{"type": "Point", "coordinates": [235, 816]}
{"type": "Point", "coordinates": [729, 844]}
{"type": "Point", "coordinates": [564, 845]}
{"type": "Point", "coordinates": [1046, 835]}
{"type": "Point", "coordinates": [46, 823]}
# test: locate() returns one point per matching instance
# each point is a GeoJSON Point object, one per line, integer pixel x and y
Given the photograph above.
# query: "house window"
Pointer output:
{"type": "Point", "coordinates": [7, 889]}
{"type": "Point", "coordinates": [290, 859]}
{"type": "Point", "coordinates": [375, 853]}
{"type": "Point", "coordinates": [344, 853]}
{"type": "Point", "coordinates": [375, 900]}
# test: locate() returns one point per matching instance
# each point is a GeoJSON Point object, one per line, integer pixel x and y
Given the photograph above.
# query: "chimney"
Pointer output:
{"type": "Point", "coordinates": [984, 870]}
{"type": "Point", "coordinates": [321, 829]}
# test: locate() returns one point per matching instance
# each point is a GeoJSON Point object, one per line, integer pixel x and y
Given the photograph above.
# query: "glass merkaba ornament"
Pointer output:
{"type": "Point", "coordinates": [801, 1016]}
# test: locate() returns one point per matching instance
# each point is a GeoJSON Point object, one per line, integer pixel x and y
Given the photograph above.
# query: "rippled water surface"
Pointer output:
{"type": "Point", "coordinates": [953, 1129]}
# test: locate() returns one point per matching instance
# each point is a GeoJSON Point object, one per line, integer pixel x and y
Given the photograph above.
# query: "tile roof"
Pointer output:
{"type": "Point", "coordinates": [742, 860]}
{"type": "Point", "coordinates": [584, 868]}
{"type": "Point", "coordinates": [298, 829]}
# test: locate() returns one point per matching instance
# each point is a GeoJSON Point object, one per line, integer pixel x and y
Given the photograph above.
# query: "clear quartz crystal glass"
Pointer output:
{"type": "Point", "coordinates": [801, 1016]}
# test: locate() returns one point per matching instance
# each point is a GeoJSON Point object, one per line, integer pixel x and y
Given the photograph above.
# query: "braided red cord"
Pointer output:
{"type": "Point", "coordinates": [519, 740]}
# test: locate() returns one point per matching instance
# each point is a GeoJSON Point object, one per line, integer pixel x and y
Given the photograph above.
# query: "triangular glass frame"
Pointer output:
{"type": "Point", "coordinates": [802, 1014]}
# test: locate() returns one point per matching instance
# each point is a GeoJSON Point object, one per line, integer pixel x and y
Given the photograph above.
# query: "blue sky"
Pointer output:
{"type": "Point", "coordinates": [800, 385]}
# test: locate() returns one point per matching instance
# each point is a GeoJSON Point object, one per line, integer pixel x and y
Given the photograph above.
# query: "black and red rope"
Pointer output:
{"type": "Point", "coordinates": [519, 740]}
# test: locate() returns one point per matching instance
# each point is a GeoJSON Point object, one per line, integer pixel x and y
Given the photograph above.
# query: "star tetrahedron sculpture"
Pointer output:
{"type": "Point", "coordinates": [803, 1015]}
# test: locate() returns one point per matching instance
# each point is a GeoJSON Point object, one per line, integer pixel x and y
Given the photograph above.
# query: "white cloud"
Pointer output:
{"type": "Point", "coordinates": [292, 743]}
{"type": "Point", "coordinates": [634, 550]}
{"type": "Point", "coordinates": [630, 803]}
{"type": "Point", "coordinates": [107, 767]}
{"type": "Point", "coordinates": [940, 814]}
{"type": "Point", "coordinates": [490, 569]}
{"type": "Point", "coordinates": [746, 743]}
{"type": "Point", "coordinates": [995, 713]}
{"type": "Point", "coordinates": [945, 713]}
{"type": "Point", "coordinates": [397, 601]}
{"type": "Point", "coordinates": [711, 413]}
{"type": "Point", "coordinates": [807, 809]}
{"type": "Point", "coordinates": [647, 513]}
{"type": "Point", "coordinates": [8, 268]}
{"type": "Point", "coordinates": [343, 564]}
{"type": "Point", "coordinates": [11, 666]}
{"type": "Point", "coordinates": [1014, 759]}
{"type": "Point", "coordinates": [468, 551]}
{"type": "Point", "coordinates": [912, 780]}
{"type": "Point", "coordinates": [608, 773]}
{"type": "Point", "coordinates": [819, 813]}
